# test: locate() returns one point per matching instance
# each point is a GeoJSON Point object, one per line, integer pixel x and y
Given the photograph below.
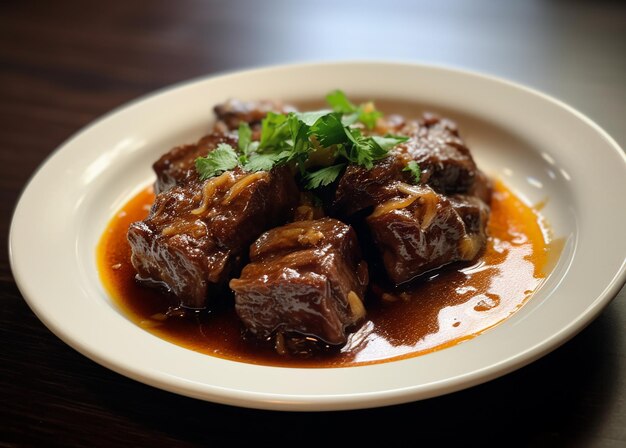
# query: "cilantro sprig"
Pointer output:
{"type": "Point", "coordinates": [293, 137]}
{"type": "Point", "coordinates": [366, 113]}
{"type": "Point", "coordinates": [223, 158]}
{"type": "Point", "coordinates": [415, 170]}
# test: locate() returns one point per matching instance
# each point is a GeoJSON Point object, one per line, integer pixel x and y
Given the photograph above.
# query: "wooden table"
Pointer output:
{"type": "Point", "coordinates": [64, 63]}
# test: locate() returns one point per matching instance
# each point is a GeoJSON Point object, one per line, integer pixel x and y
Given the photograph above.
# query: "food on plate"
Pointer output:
{"type": "Point", "coordinates": [198, 232]}
{"type": "Point", "coordinates": [419, 230]}
{"type": "Point", "coordinates": [433, 147]}
{"type": "Point", "coordinates": [300, 228]}
{"type": "Point", "coordinates": [233, 112]}
{"type": "Point", "coordinates": [306, 278]}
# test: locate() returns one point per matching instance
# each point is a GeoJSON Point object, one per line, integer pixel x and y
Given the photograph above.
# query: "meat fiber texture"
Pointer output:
{"type": "Point", "coordinates": [421, 230]}
{"type": "Point", "coordinates": [231, 113]}
{"type": "Point", "coordinates": [198, 232]}
{"type": "Point", "coordinates": [306, 278]}
{"type": "Point", "coordinates": [418, 228]}
{"type": "Point", "coordinates": [445, 162]}
{"type": "Point", "coordinates": [176, 166]}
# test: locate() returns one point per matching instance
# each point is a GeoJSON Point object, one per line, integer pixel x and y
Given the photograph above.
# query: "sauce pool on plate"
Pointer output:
{"type": "Point", "coordinates": [441, 309]}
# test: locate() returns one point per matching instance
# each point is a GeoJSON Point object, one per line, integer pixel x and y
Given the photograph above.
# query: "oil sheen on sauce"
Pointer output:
{"type": "Point", "coordinates": [440, 310]}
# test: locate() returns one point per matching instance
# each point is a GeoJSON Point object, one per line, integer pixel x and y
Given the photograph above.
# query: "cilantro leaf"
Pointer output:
{"type": "Point", "coordinates": [414, 168]}
{"type": "Point", "coordinates": [299, 136]}
{"type": "Point", "coordinates": [365, 113]}
{"type": "Point", "coordinates": [324, 176]}
{"type": "Point", "coordinates": [309, 118]}
{"type": "Point", "coordinates": [340, 102]}
{"type": "Point", "coordinates": [365, 150]}
{"type": "Point", "coordinates": [369, 115]}
{"type": "Point", "coordinates": [329, 130]}
{"type": "Point", "coordinates": [264, 162]}
{"type": "Point", "coordinates": [245, 138]}
{"type": "Point", "coordinates": [349, 120]}
{"type": "Point", "coordinates": [361, 151]}
{"type": "Point", "coordinates": [223, 158]}
{"type": "Point", "coordinates": [274, 131]}
{"type": "Point", "coordinates": [389, 141]}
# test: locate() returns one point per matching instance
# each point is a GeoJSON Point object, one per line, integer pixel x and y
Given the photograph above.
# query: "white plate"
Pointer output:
{"type": "Point", "coordinates": [542, 148]}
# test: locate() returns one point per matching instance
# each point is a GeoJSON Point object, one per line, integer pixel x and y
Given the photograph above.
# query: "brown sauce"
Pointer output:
{"type": "Point", "coordinates": [445, 308]}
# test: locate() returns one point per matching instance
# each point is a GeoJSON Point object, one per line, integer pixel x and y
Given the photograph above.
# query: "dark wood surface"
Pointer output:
{"type": "Point", "coordinates": [64, 63]}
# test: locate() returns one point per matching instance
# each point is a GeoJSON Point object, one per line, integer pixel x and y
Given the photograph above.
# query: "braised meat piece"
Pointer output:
{"type": "Point", "coordinates": [360, 189]}
{"type": "Point", "coordinates": [420, 230]}
{"type": "Point", "coordinates": [174, 166]}
{"type": "Point", "coordinates": [445, 162]}
{"type": "Point", "coordinates": [305, 279]}
{"type": "Point", "coordinates": [198, 232]}
{"type": "Point", "coordinates": [482, 187]}
{"type": "Point", "coordinates": [309, 208]}
{"type": "Point", "coordinates": [233, 112]}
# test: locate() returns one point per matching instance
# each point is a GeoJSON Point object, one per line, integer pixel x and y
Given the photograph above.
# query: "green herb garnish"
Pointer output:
{"type": "Point", "coordinates": [223, 158]}
{"type": "Point", "coordinates": [323, 176]}
{"type": "Point", "coordinates": [414, 168]}
{"type": "Point", "coordinates": [292, 138]}
{"type": "Point", "coordinates": [365, 113]}
{"type": "Point", "coordinates": [245, 143]}
{"type": "Point", "coordinates": [265, 162]}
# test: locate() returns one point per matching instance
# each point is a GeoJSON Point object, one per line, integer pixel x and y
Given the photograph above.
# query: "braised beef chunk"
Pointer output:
{"type": "Point", "coordinates": [420, 230]}
{"type": "Point", "coordinates": [174, 166]}
{"type": "Point", "coordinates": [475, 214]}
{"type": "Point", "coordinates": [309, 208]}
{"type": "Point", "coordinates": [233, 112]}
{"type": "Point", "coordinates": [360, 188]}
{"type": "Point", "coordinates": [445, 163]}
{"type": "Point", "coordinates": [482, 187]}
{"type": "Point", "coordinates": [198, 232]}
{"type": "Point", "coordinates": [305, 279]}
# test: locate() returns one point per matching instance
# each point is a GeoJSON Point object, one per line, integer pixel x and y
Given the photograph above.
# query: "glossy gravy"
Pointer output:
{"type": "Point", "coordinates": [442, 309]}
